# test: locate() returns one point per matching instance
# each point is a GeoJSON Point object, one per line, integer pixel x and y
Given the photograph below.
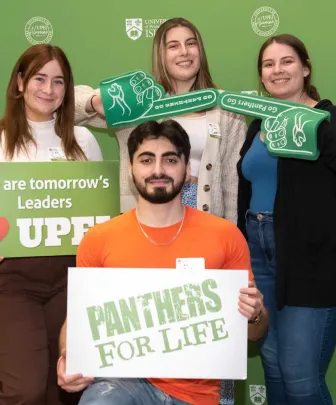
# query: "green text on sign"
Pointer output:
{"type": "Point", "coordinates": [46, 208]}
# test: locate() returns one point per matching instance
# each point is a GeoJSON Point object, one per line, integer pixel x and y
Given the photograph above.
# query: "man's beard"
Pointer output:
{"type": "Point", "coordinates": [160, 195]}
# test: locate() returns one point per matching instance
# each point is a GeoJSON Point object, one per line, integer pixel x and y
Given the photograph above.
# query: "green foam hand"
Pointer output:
{"type": "Point", "coordinates": [290, 129]}
{"type": "Point", "coordinates": [135, 97]}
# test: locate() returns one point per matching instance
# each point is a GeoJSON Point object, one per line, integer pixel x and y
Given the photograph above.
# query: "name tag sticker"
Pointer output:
{"type": "Point", "coordinates": [56, 153]}
{"type": "Point", "coordinates": [214, 130]}
{"type": "Point", "coordinates": [190, 263]}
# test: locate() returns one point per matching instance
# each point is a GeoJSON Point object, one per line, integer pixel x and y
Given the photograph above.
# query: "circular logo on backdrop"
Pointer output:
{"type": "Point", "coordinates": [38, 30]}
{"type": "Point", "coordinates": [265, 21]}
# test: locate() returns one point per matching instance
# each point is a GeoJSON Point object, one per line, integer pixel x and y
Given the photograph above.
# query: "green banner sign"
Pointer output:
{"type": "Point", "coordinates": [290, 129]}
{"type": "Point", "coordinates": [45, 208]}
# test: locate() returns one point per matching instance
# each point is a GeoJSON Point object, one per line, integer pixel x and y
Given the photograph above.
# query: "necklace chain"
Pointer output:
{"type": "Point", "coordinates": [153, 241]}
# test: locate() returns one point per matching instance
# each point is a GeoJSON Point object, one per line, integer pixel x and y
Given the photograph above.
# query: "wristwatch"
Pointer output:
{"type": "Point", "coordinates": [256, 319]}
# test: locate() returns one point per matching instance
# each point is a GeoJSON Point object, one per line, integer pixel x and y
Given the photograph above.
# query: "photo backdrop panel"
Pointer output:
{"type": "Point", "coordinates": [106, 38]}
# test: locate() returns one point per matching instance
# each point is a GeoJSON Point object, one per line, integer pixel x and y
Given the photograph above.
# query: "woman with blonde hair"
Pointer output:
{"type": "Point", "coordinates": [38, 124]}
{"type": "Point", "coordinates": [180, 65]}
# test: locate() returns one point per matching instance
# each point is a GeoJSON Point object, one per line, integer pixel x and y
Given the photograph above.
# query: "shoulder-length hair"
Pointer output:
{"type": "Point", "coordinates": [299, 48]}
{"type": "Point", "coordinates": [159, 69]}
{"type": "Point", "coordinates": [14, 126]}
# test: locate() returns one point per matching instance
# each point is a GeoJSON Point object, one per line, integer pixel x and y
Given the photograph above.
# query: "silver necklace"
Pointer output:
{"type": "Point", "coordinates": [153, 241]}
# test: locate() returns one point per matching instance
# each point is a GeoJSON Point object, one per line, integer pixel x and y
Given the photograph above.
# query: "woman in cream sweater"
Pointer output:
{"type": "Point", "coordinates": [180, 65]}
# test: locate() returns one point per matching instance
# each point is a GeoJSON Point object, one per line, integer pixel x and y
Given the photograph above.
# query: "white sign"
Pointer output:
{"type": "Point", "coordinates": [143, 322]}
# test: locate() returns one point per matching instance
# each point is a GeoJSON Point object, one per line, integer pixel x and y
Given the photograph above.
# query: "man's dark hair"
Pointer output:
{"type": "Point", "coordinates": [169, 129]}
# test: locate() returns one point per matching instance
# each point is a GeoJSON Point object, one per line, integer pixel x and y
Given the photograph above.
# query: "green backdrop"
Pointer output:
{"type": "Point", "coordinates": [93, 34]}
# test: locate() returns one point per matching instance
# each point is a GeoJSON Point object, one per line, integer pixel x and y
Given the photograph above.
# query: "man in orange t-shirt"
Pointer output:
{"type": "Point", "coordinates": [153, 235]}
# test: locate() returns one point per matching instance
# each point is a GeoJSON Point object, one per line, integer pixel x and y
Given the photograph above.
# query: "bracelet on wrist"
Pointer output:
{"type": "Point", "coordinates": [93, 109]}
{"type": "Point", "coordinates": [256, 319]}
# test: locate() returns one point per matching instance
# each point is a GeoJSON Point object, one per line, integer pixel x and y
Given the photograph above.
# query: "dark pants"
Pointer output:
{"type": "Point", "coordinates": [300, 341]}
{"type": "Point", "coordinates": [32, 311]}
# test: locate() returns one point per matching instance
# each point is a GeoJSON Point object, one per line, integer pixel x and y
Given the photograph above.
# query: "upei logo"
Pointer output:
{"type": "Point", "coordinates": [265, 21]}
{"type": "Point", "coordinates": [257, 394]}
{"type": "Point", "coordinates": [134, 28]}
{"type": "Point", "coordinates": [38, 30]}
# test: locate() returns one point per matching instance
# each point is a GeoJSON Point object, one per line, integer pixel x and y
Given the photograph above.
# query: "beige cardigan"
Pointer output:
{"type": "Point", "coordinates": [218, 178]}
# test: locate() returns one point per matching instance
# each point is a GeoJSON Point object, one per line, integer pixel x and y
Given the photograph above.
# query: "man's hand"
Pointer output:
{"type": "Point", "coordinates": [70, 383]}
{"type": "Point", "coordinates": [251, 305]}
{"type": "Point", "coordinates": [250, 301]}
{"type": "Point", "coordinates": [1, 259]}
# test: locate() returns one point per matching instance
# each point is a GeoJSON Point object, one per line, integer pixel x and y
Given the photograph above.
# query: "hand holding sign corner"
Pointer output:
{"type": "Point", "coordinates": [4, 227]}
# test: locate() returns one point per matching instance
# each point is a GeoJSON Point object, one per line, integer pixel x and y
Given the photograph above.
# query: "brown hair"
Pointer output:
{"type": "Point", "coordinates": [301, 51]}
{"type": "Point", "coordinates": [168, 129]}
{"type": "Point", "coordinates": [14, 126]}
{"type": "Point", "coordinates": [159, 69]}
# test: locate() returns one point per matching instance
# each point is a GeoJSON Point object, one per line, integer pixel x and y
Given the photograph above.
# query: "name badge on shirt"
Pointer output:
{"type": "Point", "coordinates": [56, 153]}
{"type": "Point", "coordinates": [214, 130]}
{"type": "Point", "coordinates": [190, 263]}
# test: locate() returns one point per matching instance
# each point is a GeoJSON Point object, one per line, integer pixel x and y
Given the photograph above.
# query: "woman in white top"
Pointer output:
{"type": "Point", "coordinates": [38, 125]}
{"type": "Point", "coordinates": [180, 65]}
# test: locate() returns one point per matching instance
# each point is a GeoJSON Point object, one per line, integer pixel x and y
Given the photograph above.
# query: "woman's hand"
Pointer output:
{"type": "Point", "coordinates": [95, 104]}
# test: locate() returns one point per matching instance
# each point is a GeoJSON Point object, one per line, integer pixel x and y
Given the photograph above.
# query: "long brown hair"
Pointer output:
{"type": "Point", "coordinates": [14, 126]}
{"type": "Point", "coordinates": [159, 69]}
{"type": "Point", "coordinates": [301, 51]}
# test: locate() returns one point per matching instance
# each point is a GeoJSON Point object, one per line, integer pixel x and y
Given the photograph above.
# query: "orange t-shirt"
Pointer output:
{"type": "Point", "coordinates": [120, 242]}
